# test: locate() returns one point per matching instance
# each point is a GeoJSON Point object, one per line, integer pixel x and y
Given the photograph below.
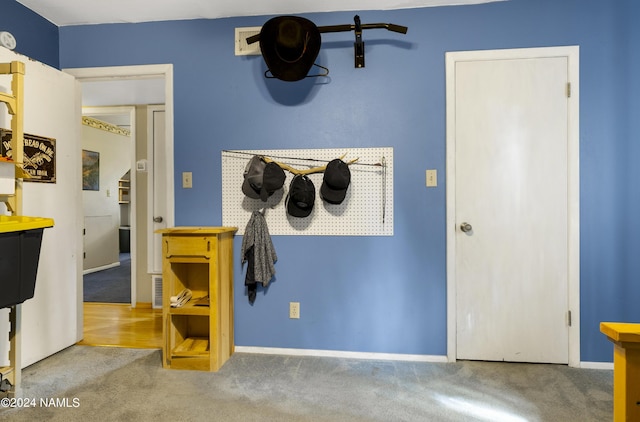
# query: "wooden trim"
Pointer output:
{"type": "Point", "coordinates": [107, 127]}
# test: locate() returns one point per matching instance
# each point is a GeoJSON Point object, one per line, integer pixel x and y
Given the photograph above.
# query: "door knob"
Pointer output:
{"type": "Point", "coordinates": [466, 227]}
{"type": "Point", "coordinates": [157, 219]}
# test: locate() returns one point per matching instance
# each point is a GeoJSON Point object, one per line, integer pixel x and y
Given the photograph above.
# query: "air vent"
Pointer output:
{"type": "Point", "coordinates": [244, 49]}
{"type": "Point", "coordinates": [157, 291]}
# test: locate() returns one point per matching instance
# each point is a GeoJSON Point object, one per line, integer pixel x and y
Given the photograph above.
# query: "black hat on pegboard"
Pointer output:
{"type": "Point", "coordinates": [335, 182]}
{"type": "Point", "coordinates": [301, 197]}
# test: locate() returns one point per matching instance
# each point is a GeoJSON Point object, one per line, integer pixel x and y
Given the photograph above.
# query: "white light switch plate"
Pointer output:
{"type": "Point", "coordinates": [432, 178]}
{"type": "Point", "coordinates": [187, 179]}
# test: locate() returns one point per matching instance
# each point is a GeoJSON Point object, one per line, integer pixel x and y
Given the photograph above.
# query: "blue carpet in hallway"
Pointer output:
{"type": "Point", "coordinates": [110, 286]}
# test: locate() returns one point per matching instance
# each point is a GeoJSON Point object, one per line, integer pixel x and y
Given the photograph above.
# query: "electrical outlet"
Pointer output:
{"type": "Point", "coordinates": [294, 310]}
{"type": "Point", "coordinates": [187, 179]}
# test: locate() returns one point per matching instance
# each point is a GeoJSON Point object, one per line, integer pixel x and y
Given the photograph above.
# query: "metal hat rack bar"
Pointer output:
{"type": "Point", "coordinates": [358, 27]}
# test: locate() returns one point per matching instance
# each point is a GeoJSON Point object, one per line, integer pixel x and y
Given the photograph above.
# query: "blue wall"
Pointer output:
{"type": "Point", "coordinates": [388, 294]}
{"type": "Point", "coordinates": [35, 36]}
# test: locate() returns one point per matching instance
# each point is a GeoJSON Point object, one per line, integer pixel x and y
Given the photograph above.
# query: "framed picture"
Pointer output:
{"type": "Point", "coordinates": [39, 156]}
{"type": "Point", "coordinates": [90, 170]}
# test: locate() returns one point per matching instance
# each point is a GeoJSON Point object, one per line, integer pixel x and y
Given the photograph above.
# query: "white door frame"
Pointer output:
{"type": "Point", "coordinates": [94, 74]}
{"type": "Point", "coordinates": [573, 188]}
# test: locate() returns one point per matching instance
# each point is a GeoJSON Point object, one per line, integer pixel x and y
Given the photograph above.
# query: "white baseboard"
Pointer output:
{"type": "Point", "coordinates": [597, 365]}
{"type": "Point", "coordinates": [104, 267]}
{"type": "Point", "coordinates": [377, 356]}
{"type": "Point", "coordinates": [341, 354]}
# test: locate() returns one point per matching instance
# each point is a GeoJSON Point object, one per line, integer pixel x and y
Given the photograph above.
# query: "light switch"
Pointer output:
{"type": "Point", "coordinates": [187, 180]}
{"type": "Point", "coordinates": [432, 178]}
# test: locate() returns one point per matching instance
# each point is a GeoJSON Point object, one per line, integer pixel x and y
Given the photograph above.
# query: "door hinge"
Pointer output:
{"type": "Point", "coordinates": [569, 318]}
{"type": "Point", "coordinates": [568, 89]}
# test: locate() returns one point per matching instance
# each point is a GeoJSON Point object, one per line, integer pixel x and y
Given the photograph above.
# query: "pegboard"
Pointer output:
{"type": "Point", "coordinates": [367, 209]}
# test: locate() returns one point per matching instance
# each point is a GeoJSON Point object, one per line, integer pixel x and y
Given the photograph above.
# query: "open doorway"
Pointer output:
{"type": "Point", "coordinates": [108, 146]}
{"type": "Point", "coordinates": [136, 88]}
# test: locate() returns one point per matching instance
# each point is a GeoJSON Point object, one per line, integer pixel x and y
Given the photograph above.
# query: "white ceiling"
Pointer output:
{"type": "Point", "coordinates": [122, 92]}
{"type": "Point", "coordinates": [80, 12]}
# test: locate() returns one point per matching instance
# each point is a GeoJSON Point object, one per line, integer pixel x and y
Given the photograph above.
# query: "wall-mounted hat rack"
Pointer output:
{"type": "Point", "coordinates": [358, 27]}
{"type": "Point", "coordinates": [367, 208]}
{"type": "Point", "coordinates": [358, 45]}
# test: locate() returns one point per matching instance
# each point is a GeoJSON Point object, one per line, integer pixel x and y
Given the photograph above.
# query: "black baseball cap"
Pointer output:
{"type": "Point", "coordinates": [253, 175]}
{"type": "Point", "coordinates": [302, 194]}
{"type": "Point", "coordinates": [335, 182]}
{"type": "Point", "coordinates": [272, 179]}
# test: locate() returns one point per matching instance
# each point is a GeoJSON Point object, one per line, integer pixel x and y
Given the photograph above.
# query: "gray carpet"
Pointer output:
{"type": "Point", "coordinates": [114, 384]}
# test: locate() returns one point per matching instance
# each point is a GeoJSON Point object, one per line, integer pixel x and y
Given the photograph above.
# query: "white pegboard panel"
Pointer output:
{"type": "Point", "coordinates": [367, 210]}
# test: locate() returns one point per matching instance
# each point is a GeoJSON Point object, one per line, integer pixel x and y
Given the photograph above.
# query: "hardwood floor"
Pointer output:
{"type": "Point", "coordinates": [120, 325]}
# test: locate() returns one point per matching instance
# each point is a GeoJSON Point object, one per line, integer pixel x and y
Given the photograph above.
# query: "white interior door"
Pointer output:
{"type": "Point", "coordinates": [51, 320]}
{"type": "Point", "coordinates": [159, 190]}
{"type": "Point", "coordinates": [511, 217]}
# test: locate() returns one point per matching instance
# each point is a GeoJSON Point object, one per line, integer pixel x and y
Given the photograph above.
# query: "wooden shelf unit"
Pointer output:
{"type": "Point", "coordinates": [15, 106]}
{"type": "Point", "coordinates": [123, 191]}
{"type": "Point", "coordinates": [199, 259]}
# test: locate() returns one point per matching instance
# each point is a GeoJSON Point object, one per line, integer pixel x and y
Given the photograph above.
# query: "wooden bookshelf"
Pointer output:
{"type": "Point", "coordinates": [197, 336]}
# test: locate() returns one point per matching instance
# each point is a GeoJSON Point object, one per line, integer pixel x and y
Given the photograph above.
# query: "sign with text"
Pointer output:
{"type": "Point", "coordinates": [39, 156]}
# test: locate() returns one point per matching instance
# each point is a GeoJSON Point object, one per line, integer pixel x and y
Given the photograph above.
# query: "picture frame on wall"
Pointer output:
{"type": "Point", "coordinates": [90, 170]}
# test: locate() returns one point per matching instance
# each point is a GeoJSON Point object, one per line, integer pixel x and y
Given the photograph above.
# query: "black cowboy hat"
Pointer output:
{"type": "Point", "coordinates": [289, 46]}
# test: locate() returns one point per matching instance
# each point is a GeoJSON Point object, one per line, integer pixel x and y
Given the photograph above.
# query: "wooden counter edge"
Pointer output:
{"type": "Point", "coordinates": [197, 230]}
{"type": "Point", "coordinates": [623, 332]}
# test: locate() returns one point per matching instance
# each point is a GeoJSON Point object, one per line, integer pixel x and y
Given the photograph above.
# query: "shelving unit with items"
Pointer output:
{"type": "Point", "coordinates": [198, 334]}
{"type": "Point", "coordinates": [124, 186]}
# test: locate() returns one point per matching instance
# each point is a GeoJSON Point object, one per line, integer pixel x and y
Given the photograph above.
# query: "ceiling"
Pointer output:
{"type": "Point", "coordinates": [123, 92]}
{"type": "Point", "coordinates": [81, 12]}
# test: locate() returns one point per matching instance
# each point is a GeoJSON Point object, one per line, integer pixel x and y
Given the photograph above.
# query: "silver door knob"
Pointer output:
{"type": "Point", "coordinates": [466, 227]}
{"type": "Point", "coordinates": [157, 219]}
